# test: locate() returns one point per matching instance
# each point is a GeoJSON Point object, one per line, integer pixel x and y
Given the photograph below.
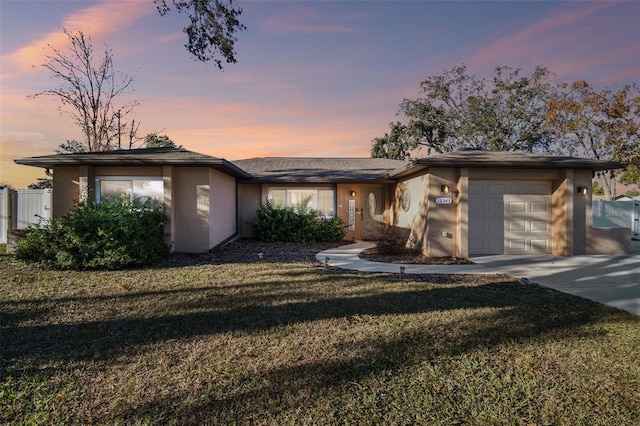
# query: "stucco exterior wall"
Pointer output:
{"type": "Point", "coordinates": [608, 241]}
{"type": "Point", "coordinates": [204, 208]}
{"type": "Point", "coordinates": [435, 228]}
{"type": "Point", "coordinates": [249, 198]}
{"type": "Point", "coordinates": [582, 218]}
{"type": "Point", "coordinates": [562, 239]}
{"type": "Point", "coordinates": [66, 192]}
{"type": "Point", "coordinates": [442, 219]}
{"type": "Point", "coordinates": [222, 207]}
{"type": "Point", "coordinates": [192, 209]}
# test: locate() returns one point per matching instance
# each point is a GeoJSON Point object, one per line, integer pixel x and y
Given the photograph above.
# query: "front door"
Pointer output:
{"type": "Point", "coordinates": [372, 213]}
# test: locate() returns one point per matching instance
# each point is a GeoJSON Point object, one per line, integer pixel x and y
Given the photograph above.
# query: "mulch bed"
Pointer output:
{"type": "Point", "coordinates": [411, 257]}
{"type": "Point", "coordinates": [250, 251]}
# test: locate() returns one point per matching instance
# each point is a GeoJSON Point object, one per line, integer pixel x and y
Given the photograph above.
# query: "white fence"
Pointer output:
{"type": "Point", "coordinates": [617, 214]}
{"type": "Point", "coordinates": [22, 208]}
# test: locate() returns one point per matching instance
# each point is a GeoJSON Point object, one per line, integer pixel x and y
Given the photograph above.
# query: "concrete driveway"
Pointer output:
{"type": "Point", "coordinates": [610, 279]}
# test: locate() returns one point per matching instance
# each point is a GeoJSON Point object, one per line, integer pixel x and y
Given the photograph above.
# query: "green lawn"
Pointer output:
{"type": "Point", "coordinates": [288, 343]}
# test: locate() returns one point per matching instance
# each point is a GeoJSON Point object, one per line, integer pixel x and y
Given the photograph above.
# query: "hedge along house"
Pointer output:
{"type": "Point", "coordinates": [464, 203]}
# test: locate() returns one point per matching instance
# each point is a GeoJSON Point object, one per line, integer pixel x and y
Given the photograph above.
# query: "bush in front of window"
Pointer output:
{"type": "Point", "coordinates": [300, 225]}
{"type": "Point", "coordinates": [113, 234]}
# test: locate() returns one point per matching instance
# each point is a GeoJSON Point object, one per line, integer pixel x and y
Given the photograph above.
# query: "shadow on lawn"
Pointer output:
{"type": "Point", "coordinates": [526, 312]}
{"type": "Point", "coordinates": [532, 310]}
{"type": "Point", "coordinates": [286, 388]}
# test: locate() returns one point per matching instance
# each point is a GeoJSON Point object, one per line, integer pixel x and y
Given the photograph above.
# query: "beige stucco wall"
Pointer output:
{"type": "Point", "coordinates": [222, 207]}
{"type": "Point", "coordinates": [191, 208]}
{"type": "Point", "coordinates": [608, 241]}
{"type": "Point", "coordinates": [66, 192]}
{"type": "Point", "coordinates": [249, 198]}
{"type": "Point", "coordinates": [204, 205]}
{"type": "Point", "coordinates": [435, 228]}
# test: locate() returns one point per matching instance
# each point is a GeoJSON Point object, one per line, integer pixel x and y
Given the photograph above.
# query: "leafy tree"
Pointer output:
{"type": "Point", "coordinates": [631, 175]}
{"type": "Point", "coordinates": [42, 183]}
{"type": "Point", "coordinates": [88, 92]}
{"type": "Point", "coordinates": [632, 193]}
{"type": "Point", "coordinates": [457, 110]}
{"type": "Point", "coordinates": [602, 125]}
{"type": "Point", "coordinates": [70, 147]}
{"type": "Point", "coordinates": [153, 140]}
{"type": "Point", "coordinates": [211, 33]}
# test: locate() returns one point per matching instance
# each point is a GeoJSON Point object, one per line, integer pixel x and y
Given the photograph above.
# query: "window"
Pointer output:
{"type": "Point", "coordinates": [319, 199]}
{"type": "Point", "coordinates": [141, 188]}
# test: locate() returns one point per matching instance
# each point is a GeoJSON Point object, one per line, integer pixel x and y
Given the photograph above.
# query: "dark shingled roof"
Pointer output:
{"type": "Point", "coordinates": [136, 157]}
{"type": "Point", "coordinates": [297, 169]}
{"type": "Point", "coordinates": [478, 158]}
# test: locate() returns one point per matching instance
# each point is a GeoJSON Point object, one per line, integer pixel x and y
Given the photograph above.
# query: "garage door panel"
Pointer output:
{"type": "Point", "coordinates": [494, 208]}
{"type": "Point", "coordinates": [516, 245]}
{"type": "Point", "coordinates": [539, 226]}
{"type": "Point", "coordinates": [517, 225]}
{"type": "Point", "coordinates": [517, 206]}
{"type": "Point", "coordinates": [540, 246]}
{"type": "Point", "coordinates": [504, 217]}
{"type": "Point", "coordinates": [539, 188]}
{"type": "Point", "coordinates": [527, 232]}
{"type": "Point", "coordinates": [517, 188]}
{"type": "Point", "coordinates": [539, 207]}
{"type": "Point", "coordinates": [495, 188]}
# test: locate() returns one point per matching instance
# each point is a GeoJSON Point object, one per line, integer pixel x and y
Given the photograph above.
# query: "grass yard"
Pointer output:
{"type": "Point", "coordinates": [291, 343]}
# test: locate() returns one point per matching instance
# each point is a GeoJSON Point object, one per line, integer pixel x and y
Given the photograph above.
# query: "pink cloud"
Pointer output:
{"type": "Point", "coordinates": [98, 21]}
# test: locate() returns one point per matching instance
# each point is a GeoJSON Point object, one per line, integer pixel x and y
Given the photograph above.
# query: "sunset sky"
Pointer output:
{"type": "Point", "coordinates": [312, 79]}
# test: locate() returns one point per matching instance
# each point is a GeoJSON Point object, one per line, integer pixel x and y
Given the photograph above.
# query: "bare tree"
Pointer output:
{"type": "Point", "coordinates": [88, 91]}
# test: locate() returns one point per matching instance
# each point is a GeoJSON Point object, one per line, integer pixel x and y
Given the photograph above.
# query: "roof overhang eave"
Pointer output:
{"type": "Point", "coordinates": [216, 163]}
{"type": "Point", "coordinates": [417, 166]}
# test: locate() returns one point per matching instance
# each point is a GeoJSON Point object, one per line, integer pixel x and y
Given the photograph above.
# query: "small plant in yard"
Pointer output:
{"type": "Point", "coordinates": [295, 224]}
{"type": "Point", "coordinates": [113, 234]}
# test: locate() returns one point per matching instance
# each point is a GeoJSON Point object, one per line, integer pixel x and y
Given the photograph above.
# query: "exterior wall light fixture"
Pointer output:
{"type": "Point", "coordinates": [352, 193]}
{"type": "Point", "coordinates": [446, 190]}
{"type": "Point", "coordinates": [583, 189]}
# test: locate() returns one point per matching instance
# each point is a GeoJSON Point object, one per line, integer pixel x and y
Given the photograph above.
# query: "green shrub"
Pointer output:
{"type": "Point", "coordinates": [113, 234]}
{"type": "Point", "coordinates": [299, 224]}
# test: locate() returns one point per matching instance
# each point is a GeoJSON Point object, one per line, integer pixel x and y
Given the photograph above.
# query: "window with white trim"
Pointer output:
{"type": "Point", "coordinates": [141, 188]}
{"type": "Point", "coordinates": [321, 199]}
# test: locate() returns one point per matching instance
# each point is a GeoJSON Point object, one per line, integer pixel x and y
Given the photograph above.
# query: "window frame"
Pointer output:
{"type": "Point", "coordinates": [317, 189]}
{"type": "Point", "coordinates": [131, 179]}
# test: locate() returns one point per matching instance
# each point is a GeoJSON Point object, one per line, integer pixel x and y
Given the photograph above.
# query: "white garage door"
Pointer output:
{"type": "Point", "coordinates": [509, 217]}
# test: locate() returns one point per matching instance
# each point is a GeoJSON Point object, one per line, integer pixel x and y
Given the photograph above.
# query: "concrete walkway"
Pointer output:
{"type": "Point", "coordinates": [613, 280]}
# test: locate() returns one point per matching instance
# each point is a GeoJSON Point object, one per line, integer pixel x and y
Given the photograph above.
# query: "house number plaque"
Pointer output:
{"type": "Point", "coordinates": [444, 200]}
